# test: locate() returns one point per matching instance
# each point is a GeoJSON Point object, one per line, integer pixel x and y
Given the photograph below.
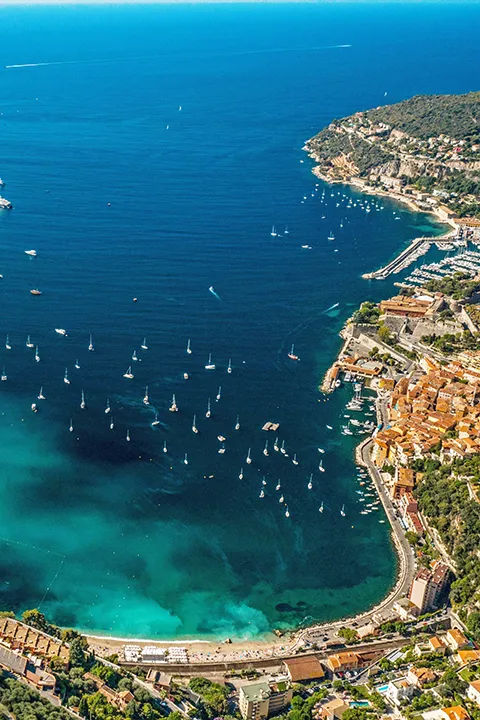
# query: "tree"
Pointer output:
{"type": "Point", "coordinates": [83, 707]}
{"type": "Point", "coordinates": [35, 619]}
{"type": "Point", "coordinates": [7, 614]}
{"type": "Point", "coordinates": [452, 684]}
{"type": "Point", "coordinates": [473, 624]}
{"type": "Point", "coordinates": [73, 701]}
{"type": "Point", "coordinates": [355, 714]}
{"type": "Point", "coordinates": [348, 634]}
{"type": "Point", "coordinates": [384, 334]}
{"type": "Point", "coordinates": [77, 654]}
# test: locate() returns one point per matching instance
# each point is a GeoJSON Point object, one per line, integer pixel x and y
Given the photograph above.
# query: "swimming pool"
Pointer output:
{"type": "Point", "coordinates": [360, 703]}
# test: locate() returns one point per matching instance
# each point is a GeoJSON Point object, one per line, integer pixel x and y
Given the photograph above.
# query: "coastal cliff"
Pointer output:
{"type": "Point", "coordinates": [428, 145]}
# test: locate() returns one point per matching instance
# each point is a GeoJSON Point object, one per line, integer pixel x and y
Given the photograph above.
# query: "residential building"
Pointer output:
{"type": "Point", "coordinates": [35, 675]}
{"type": "Point", "coordinates": [420, 676]}
{"type": "Point", "coordinates": [343, 661]}
{"type": "Point", "coordinates": [456, 639]}
{"type": "Point", "coordinates": [306, 667]}
{"type": "Point", "coordinates": [473, 692]}
{"type": "Point", "coordinates": [333, 710]}
{"type": "Point", "coordinates": [260, 700]}
{"type": "Point", "coordinates": [437, 645]}
{"type": "Point", "coordinates": [464, 657]}
{"type": "Point", "coordinates": [456, 712]}
{"type": "Point", "coordinates": [399, 690]}
{"type": "Point", "coordinates": [427, 587]}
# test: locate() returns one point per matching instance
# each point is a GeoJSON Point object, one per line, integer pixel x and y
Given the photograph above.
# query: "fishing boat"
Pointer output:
{"type": "Point", "coordinates": [287, 512]}
{"type": "Point", "coordinates": [34, 407]}
{"type": "Point", "coordinates": [273, 232]}
{"type": "Point", "coordinates": [165, 450]}
{"type": "Point", "coordinates": [282, 449]}
{"type": "Point", "coordinates": [82, 403]}
{"type": "Point", "coordinates": [194, 425]}
{"type": "Point", "coordinates": [240, 475]}
{"type": "Point", "coordinates": [4, 375]}
{"type": "Point", "coordinates": [209, 409]}
{"type": "Point", "coordinates": [275, 445]}
{"type": "Point", "coordinates": [237, 424]}
{"type": "Point", "coordinates": [320, 466]}
{"type": "Point", "coordinates": [40, 395]}
{"type": "Point", "coordinates": [189, 349]}
{"type": "Point", "coordinates": [342, 511]}
{"type": "Point", "coordinates": [295, 461]}
{"type": "Point", "coordinates": [331, 236]}
{"type": "Point", "coordinates": [210, 365]}
{"type": "Point", "coordinates": [128, 436]}
{"type": "Point", "coordinates": [173, 407]}
{"type": "Point", "coordinates": [32, 253]}
{"type": "Point", "coordinates": [146, 401]}
{"type": "Point", "coordinates": [156, 421]}
{"type": "Point", "coordinates": [37, 356]}
{"type": "Point", "coordinates": [292, 355]}
{"type": "Point", "coordinates": [90, 345]}
{"type": "Point", "coordinates": [61, 331]}
{"type": "Point", "coordinates": [65, 378]}
{"type": "Point", "coordinates": [320, 509]}
{"type": "Point", "coordinates": [129, 373]}
{"type": "Point", "coordinates": [7, 343]}
{"type": "Point", "coordinates": [35, 291]}
{"type": "Point", "coordinates": [229, 368]}
{"type": "Point", "coordinates": [107, 408]}
{"type": "Point", "coordinates": [249, 459]}
{"type": "Point", "coordinates": [134, 356]}
{"type": "Point", "coordinates": [77, 364]}
{"type": "Point", "coordinates": [265, 449]}
{"type": "Point", "coordinates": [144, 345]}
{"type": "Point", "coordinates": [219, 393]}
{"type": "Point", "coordinates": [71, 425]}
{"type": "Point", "coordinates": [185, 459]}
{"type": "Point", "coordinates": [29, 343]}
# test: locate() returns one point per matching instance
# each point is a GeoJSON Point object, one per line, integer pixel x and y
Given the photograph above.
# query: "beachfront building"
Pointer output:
{"type": "Point", "coordinates": [343, 662]}
{"type": "Point", "coordinates": [428, 586]}
{"type": "Point", "coordinates": [262, 699]}
{"type": "Point", "coordinates": [304, 668]}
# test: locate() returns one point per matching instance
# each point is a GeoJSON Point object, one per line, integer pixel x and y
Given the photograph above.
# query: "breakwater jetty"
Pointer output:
{"type": "Point", "coordinates": [417, 247]}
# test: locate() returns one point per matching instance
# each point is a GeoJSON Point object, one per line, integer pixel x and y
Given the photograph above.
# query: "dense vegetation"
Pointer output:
{"type": "Point", "coordinates": [24, 703]}
{"type": "Point", "coordinates": [329, 144]}
{"type": "Point", "coordinates": [456, 286]}
{"type": "Point", "coordinates": [425, 116]}
{"type": "Point", "coordinates": [367, 314]}
{"type": "Point", "coordinates": [214, 697]}
{"type": "Point", "coordinates": [450, 342]}
{"type": "Point", "coordinates": [443, 496]}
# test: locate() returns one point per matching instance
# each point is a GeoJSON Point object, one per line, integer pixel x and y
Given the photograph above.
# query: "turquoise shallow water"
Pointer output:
{"type": "Point", "coordinates": [119, 537]}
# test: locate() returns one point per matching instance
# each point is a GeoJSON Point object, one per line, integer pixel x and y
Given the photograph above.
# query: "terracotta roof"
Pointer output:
{"type": "Point", "coordinates": [456, 712]}
{"type": "Point", "coordinates": [304, 668]}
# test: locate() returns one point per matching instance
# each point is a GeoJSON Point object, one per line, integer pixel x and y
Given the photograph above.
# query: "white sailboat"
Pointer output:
{"type": "Point", "coordinates": [7, 343]}
{"type": "Point", "coordinates": [29, 343]}
{"type": "Point", "coordinates": [129, 373]}
{"type": "Point", "coordinates": [173, 407]}
{"type": "Point", "coordinates": [128, 436]}
{"type": "Point", "coordinates": [37, 356]}
{"type": "Point", "coordinates": [273, 232]}
{"type": "Point", "coordinates": [185, 459]}
{"type": "Point", "coordinates": [295, 461]}
{"type": "Point", "coordinates": [210, 365]}
{"type": "Point", "coordinates": [189, 349]}
{"type": "Point", "coordinates": [4, 375]}
{"type": "Point", "coordinates": [310, 482]}
{"type": "Point", "coordinates": [90, 345]}
{"type": "Point", "coordinates": [71, 425]}
{"type": "Point", "coordinates": [209, 409]}
{"type": "Point", "coordinates": [65, 378]}
{"type": "Point", "coordinates": [237, 424]}
{"type": "Point", "coordinates": [40, 395]}
{"type": "Point", "coordinates": [342, 511]}
{"type": "Point", "coordinates": [165, 446]}
{"type": "Point", "coordinates": [156, 421]}
{"type": "Point", "coordinates": [107, 408]}
{"type": "Point", "coordinates": [82, 403]}
{"type": "Point", "coordinates": [134, 356]}
{"type": "Point", "coordinates": [219, 393]}
{"type": "Point", "coordinates": [77, 364]}
{"type": "Point", "coordinates": [112, 424]}
{"type": "Point", "coordinates": [144, 345]}
{"type": "Point", "coordinates": [240, 476]}
{"type": "Point", "coordinates": [275, 445]}
{"type": "Point", "coordinates": [249, 459]}
{"type": "Point", "coordinates": [265, 449]}
{"type": "Point", "coordinates": [320, 509]}
{"type": "Point", "coordinates": [320, 466]}
{"type": "Point", "coordinates": [146, 401]}
{"type": "Point", "coordinates": [194, 425]}
{"type": "Point", "coordinates": [229, 368]}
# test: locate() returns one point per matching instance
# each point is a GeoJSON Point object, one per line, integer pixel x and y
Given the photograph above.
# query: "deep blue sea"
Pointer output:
{"type": "Point", "coordinates": [148, 151]}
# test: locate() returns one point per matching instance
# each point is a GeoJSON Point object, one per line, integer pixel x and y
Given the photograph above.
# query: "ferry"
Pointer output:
{"type": "Point", "coordinates": [61, 331]}
{"type": "Point", "coordinates": [292, 355]}
{"type": "Point", "coordinates": [210, 365]}
{"type": "Point", "coordinates": [32, 253]}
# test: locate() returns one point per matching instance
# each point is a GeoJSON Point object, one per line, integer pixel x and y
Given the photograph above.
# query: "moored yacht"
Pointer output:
{"type": "Point", "coordinates": [287, 512]}
{"type": "Point", "coordinates": [156, 421]}
{"type": "Point", "coordinates": [331, 236]}
{"type": "Point", "coordinates": [265, 449]}
{"type": "Point", "coordinates": [37, 356]}
{"type": "Point", "coordinates": [129, 373]}
{"type": "Point", "coordinates": [90, 345]}
{"type": "Point", "coordinates": [165, 450]}
{"type": "Point", "coordinates": [7, 344]}
{"type": "Point", "coordinates": [144, 345]}
{"type": "Point", "coordinates": [146, 401]}
{"type": "Point", "coordinates": [320, 509]}
{"type": "Point", "coordinates": [4, 375]}
{"type": "Point", "coordinates": [65, 378]}
{"type": "Point", "coordinates": [189, 349]}
{"type": "Point", "coordinates": [249, 459]}
{"type": "Point", "coordinates": [295, 461]}
{"type": "Point", "coordinates": [210, 365]}
{"type": "Point", "coordinates": [342, 511]}
{"type": "Point", "coordinates": [134, 356]}
{"type": "Point", "coordinates": [173, 407]}
{"type": "Point", "coordinates": [77, 364]}
{"type": "Point", "coordinates": [194, 425]}
{"type": "Point", "coordinates": [71, 426]}
{"type": "Point", "coordinates": [185, 459]}
{"type": "Point", "coordinates": [61, 331]}
{"type": "Point", "coordinates": [82, 403]}
{"type": "Point", "coordinates": [273, 232]}
{"type": "Point", "coordinates": [29, 343]}
{"type": "Point", "coordinates": [112, 424]}
{"type": "Point", "coordinates": [237, 424]}
{"type": "Point", "coordinates": [310, 482]}
{"type": "Point", "coordinates": [40, 395]}
{"type": "Point", "coordinates": [219, 393]}
{"type": "Point", "coordinates": [320, 466]}
{"type": "Point", "coordinates": [282, 449]}
{"type": "Point", "coordinates": [209, 409]}
{"type": "Point", "coordinates": [275, 445]}
{"type": "Point", "coordinates": [292, 355]}
{"type": "Point", "coordinates": [128, 436]}
{"type": "Point", "coordinates": [107, 408]}
{"type": "Point", "coordinates": [240, 475]}
{"type": "Point", "coordinates": [229, 368]}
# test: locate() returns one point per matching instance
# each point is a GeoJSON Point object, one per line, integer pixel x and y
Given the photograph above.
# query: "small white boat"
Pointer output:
{"type": "Point", "coordinates": [278, 486]}
{"type": "Point", "coordinates": [221, 451]}
{"type": "Point", "coordinates": [273, 232]}
{"type": "Point", "coordinates": [173, 407]}
{"type": "Point", "coordinates": [185, 459]}
{"type": "Point", "coordinates": [156, 421]}
{"type": "Point", "coordinates": [29, 343]}
{"type": "Point", "coordinates": [144, 345]}
{"type": "Point", "coordinates": [107, 408]}
{"type": "Point", "coordinates": [321, 450]}
{"type": "Point", "coordinates": [82, 403]}
{"type": "Point", "coordinates": [320, 509]}
{"type": "Point", "coordinates": [331, 236]}
{"type": "Point", "coordinates": [320, 466]}
{"type": "Point", "coordinates": [61, 331]}
{"type": "Point", "coordinates": [134, 356]}
{"type": "Point", "coordinates": [34, 407]}
{"type": "Point", "coordinates": [112, 424]}
{"type": "Point", "coordinates": [37, 356]}
{"type": "Point", "coordinates": [40, 395]}
{"type": "Point", "coordinates": [262, 493]}
{"type": "Point", "coordinates": [65, 378]}
{"type": "Point", "coordinates": [185, 376]}
{"type": "Point", "coordinates": [292, 355]}
{"type": "Point", "coordinates": [249, 459]}
{"type": "Point", "coordinates": [4, 375]}
{"type": "Point", "coordinates": [240, 476]}
{"type": "Point", "coordinates": [210, 365]}
{"type": "Point", "coordinates": [189, 349]}
{"type": "Point", "coordinates": [282, 449]}
{"type": "Point", "coordinates": [229, 368]}
{"type": "Point", "coordinates": [219, 393]}
{"type": "Point", "coordinates": [286, 231]}
{"type": "Point", "coordinates": [32, 253]}
{"type": "Point", "coordinates": [165, 447]}
{"type": "Point", "coordinates": [287, 512]}
{"type": "Point", "coordinates": [275, 445]}
{"type": "Point", "coordinates": [209, 409]}
{"type": "Point", "coordinates": [295, 461]}
{"type": "Point", "coordinates": [146, 401]}
{"type": "Point", "coordinates": [265, 449]}
{"type": "Point", "coordinates": [221, 438]}
{"type": "Point", "coordinates": [281, 499]}
{"type": "Point", "coordinates": [237, 424]}
{"type": "Point", "coordinates": [7, 343]}
{"type": "Point", "coordinates": [90, 345]}
{"type": "Point", "coordinates": [128, 436]}
{"type": "Point", "coordinates": [342, 511]}
{"type": "Point", "coordinates": [329, 427]}
{"type": "Point", "coordinates": [129, 373]}
{"type": "Point", "coordinates": [77, 364]}
{"type": "Point", "coordinates": [310, 482]}
{"type": "Point", "coordinates": [194, 425]}
{"type": "Point", "coordinates": [71, 426]}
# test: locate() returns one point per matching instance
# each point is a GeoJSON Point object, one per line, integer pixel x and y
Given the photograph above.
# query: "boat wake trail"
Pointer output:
{"type": "Point", "coordinates": [335, 305]}
{"type": "Point", "coordinates": [211, 289]}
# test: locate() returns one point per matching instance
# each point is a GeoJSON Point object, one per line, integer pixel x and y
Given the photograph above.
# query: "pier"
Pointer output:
{"type": "Point", "coordinates": [417, 247]}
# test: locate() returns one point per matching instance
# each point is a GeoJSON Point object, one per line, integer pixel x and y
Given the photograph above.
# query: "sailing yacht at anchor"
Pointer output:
{"type": "Point", "coordinates": [65, 378]}
{"type": "Point", "coordinates": [90, 345]}
{"type": "Point", "coordinates": [83, 404]}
